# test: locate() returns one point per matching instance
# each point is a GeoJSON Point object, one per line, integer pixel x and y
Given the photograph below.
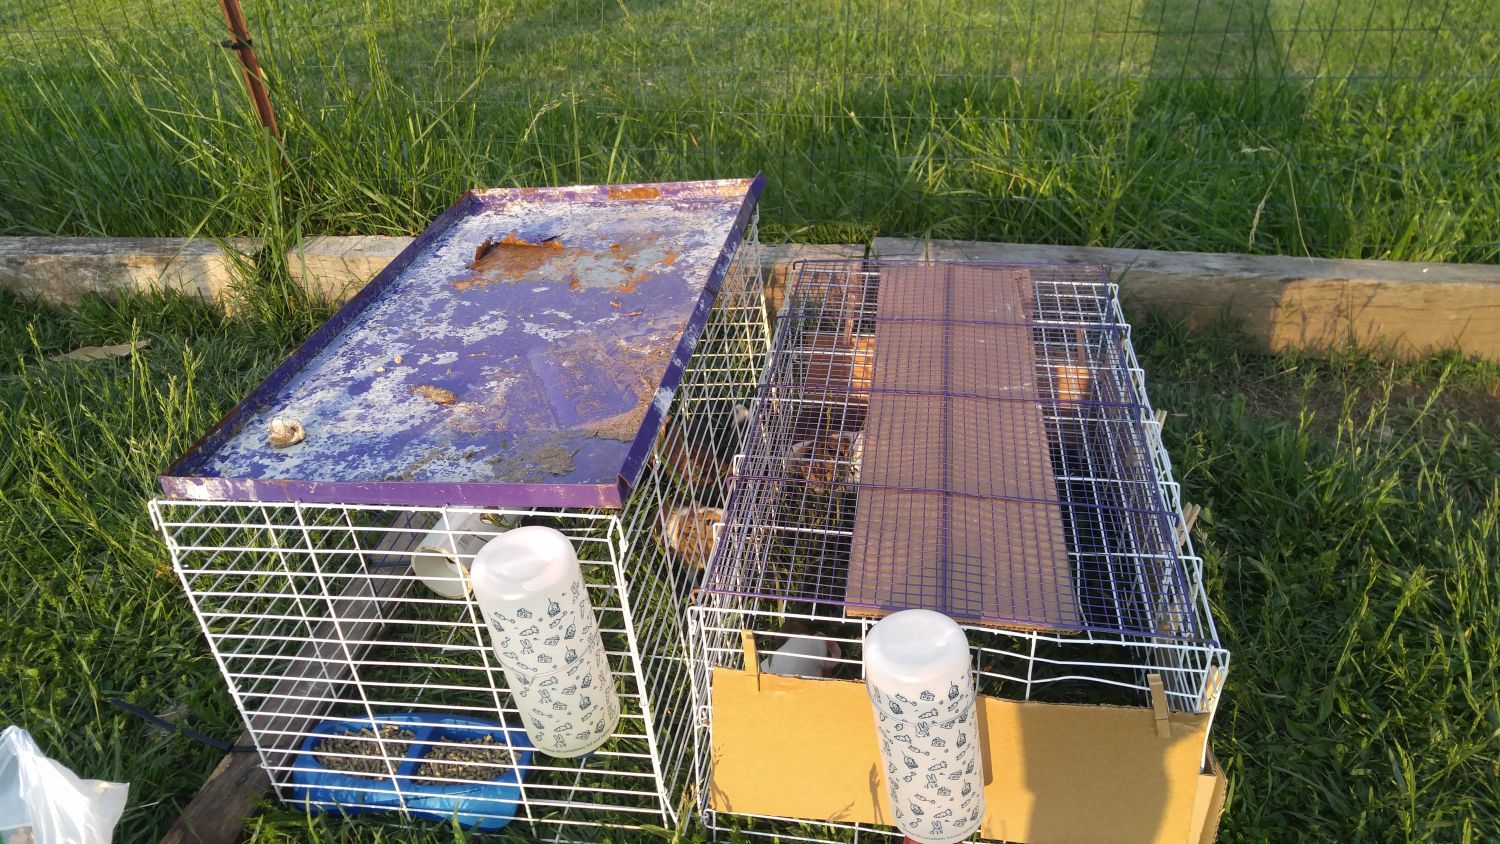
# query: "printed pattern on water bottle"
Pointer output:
{"type": "Point", "coordinates": [930, 705]}
{"type": "Point", "coordinates": [930, 744]}
{"type": "Point", "coordinates": [537, 639]}
{"type": "Point", "coordinates": [559, 671]}
{"type": "Point", "coordinates": [573, 707]}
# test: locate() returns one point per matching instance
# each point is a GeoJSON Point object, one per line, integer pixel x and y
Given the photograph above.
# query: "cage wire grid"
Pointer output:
{"type": "Point", "coordinates": [1079, 414]}
{"type": "Point", "coordinates": [781, 567]}
{"type": "Point", "coordinates": [313, 612]}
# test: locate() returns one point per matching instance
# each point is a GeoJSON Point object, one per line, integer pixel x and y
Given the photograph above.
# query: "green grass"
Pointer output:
{"type": "Point", "coordinates": [1352, 512]}
{"type": "Point", "coordinates": [1294, 126]}
{"type": "Point", "coordinates": [1351, 521]}
{"type": "Point", "coordinates": [1350, 533]}
{"type": "Point", "coordinates": [94, 611]}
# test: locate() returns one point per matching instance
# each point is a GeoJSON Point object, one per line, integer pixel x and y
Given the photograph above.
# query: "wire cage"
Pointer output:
{"type": "Point", "coordinates": [969, 438]}
{"type": "Point", "coordinates": [366, 690]}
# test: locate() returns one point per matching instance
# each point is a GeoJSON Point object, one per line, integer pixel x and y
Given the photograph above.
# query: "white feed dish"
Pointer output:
{"type": "Point", "coordinates": [439, 558]}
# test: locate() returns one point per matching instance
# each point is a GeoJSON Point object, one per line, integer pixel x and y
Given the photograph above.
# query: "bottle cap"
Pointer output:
{"type": "Point", "coordinates": [915, 649]}
{"type": "Point", "coordinates": [522, 563]}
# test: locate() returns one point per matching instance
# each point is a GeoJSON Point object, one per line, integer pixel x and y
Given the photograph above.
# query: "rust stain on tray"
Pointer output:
{"type": "Point", "coordinates": [642, 192]}
{"type": "Point", "coordinates": [513, 258]}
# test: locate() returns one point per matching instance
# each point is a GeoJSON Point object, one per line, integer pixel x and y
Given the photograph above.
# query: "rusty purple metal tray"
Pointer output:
{"type": "Point", "coordinates": [534, 370]}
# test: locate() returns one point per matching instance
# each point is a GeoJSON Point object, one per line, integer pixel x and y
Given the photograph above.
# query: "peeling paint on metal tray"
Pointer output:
{"type": "Point", "coordinates": [550, 378]}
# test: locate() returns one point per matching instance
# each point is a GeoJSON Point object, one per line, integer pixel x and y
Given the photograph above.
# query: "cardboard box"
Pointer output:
{"type": "Point", "coordinates": [1055, 773]}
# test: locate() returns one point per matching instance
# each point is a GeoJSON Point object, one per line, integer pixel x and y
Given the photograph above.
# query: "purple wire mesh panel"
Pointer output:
{"type": "Point", "coordinates": [967, 438]}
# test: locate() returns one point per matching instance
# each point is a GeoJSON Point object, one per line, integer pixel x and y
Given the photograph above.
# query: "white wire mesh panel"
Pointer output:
{"type": "Point", "coordinates": [343, 659]}
{"type": "Point", "coordinates": [314, 616]}
{"type": "Point", "coordinates": [1021, 416]}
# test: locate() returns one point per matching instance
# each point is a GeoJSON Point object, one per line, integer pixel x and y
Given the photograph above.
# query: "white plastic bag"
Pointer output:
{"type": "Point", "coordinates": [42, 801]}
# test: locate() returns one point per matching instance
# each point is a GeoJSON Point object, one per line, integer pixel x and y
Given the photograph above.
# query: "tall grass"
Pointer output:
{"type": "Point", "coordinates": [93, 612]}
{"type": "Point", "coordinates": [1259, 125]}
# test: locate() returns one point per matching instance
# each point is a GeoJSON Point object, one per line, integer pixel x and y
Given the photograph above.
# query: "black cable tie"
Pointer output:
{"type": "Point", "coordinates": [163, 723]}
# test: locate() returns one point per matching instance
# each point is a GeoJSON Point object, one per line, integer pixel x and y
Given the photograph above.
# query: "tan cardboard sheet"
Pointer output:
{"type": "Point", "coordinates": [1054, 773]}
{"type": "Point", "coordinates": [957, 508]}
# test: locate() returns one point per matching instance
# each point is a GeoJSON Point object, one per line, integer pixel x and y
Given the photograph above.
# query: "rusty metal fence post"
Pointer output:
{"type": "Point", "coordinates": [240, 42]}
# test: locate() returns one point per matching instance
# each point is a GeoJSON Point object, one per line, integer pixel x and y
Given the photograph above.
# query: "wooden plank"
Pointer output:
{"type": "Point", "coordinates": [1283, 302]}
{"type": "Point", "coordinates": [957, 505]}
{"type": "Point", "coordinates": [335, 268]}
{"type": "Point", "coordinates": [64, 269]}
{"type": "Point", "coordinates": [898, 248]}
{"type": "Point", "coordinates": [216, 814]}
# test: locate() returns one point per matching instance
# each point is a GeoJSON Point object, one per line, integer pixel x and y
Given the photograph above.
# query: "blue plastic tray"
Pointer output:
{"type": "Point", "coordinates": [486, 806]}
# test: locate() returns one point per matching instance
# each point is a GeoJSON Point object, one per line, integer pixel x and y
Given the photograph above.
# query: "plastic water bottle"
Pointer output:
{"type": "Point", "coordinates": [917, 674]}
{"type": "Point", "coordinates": [544, 632]}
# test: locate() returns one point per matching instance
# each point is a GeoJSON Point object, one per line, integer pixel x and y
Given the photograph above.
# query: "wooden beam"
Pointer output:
{"type": "Point", "coordinates": [63, 269]}
{"type": "Point", "coordinates": [777, 260]}
{"type": "Point", "coordinates": [216, 813]}
{"type": "Point", "coordinates": [1282, 301]}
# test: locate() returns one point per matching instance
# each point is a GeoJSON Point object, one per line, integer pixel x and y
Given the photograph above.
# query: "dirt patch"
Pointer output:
{"type": "Point", "coordinates": [624, 426]}
{"type": "Point", "coordinates": [555, 460]}
{"type": "Point", "coordinates": [436, 395]}
{"type": "Point", "coordinates": [532, 464]}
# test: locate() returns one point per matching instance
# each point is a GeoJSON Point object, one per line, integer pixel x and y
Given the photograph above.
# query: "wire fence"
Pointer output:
{"type": "Point", "coordinates": [1324, 127]}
